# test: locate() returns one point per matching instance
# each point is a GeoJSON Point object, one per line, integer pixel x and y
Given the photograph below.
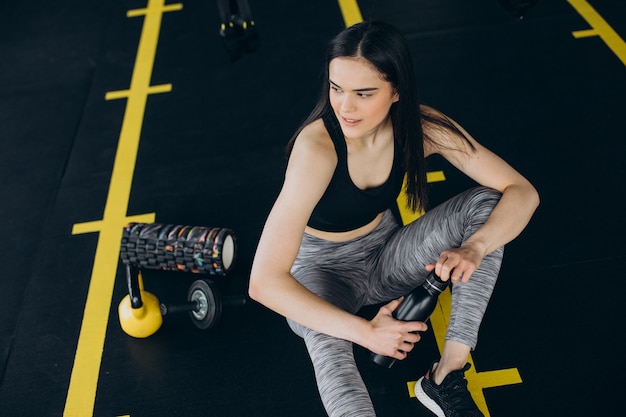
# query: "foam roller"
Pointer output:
{"type": "Point", "coordinates": [169, 247]}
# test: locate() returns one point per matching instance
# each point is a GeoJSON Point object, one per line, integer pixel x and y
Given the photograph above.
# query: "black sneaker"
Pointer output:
{"type": "Point", "coordinates": [451, 398]}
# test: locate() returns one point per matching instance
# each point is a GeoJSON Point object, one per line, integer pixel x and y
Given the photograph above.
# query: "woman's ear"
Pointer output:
{"type": "Point", "coordinates": [396, 97]}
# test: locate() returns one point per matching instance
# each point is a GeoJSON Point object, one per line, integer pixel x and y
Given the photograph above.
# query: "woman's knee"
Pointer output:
{"type": "Point", "coordinates": [484, 196]}
{"type": "Point", "coordinates": [297, 328]}
{"type": "Point", "coordinates": [480, 203]}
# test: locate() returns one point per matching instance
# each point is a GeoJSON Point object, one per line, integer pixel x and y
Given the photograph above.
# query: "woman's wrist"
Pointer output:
{"type": "Point", "coordinates": [361, 332]}
{"type": "Point", "coordinates": [477, 245]}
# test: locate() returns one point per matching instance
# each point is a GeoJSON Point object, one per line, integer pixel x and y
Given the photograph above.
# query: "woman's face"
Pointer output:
{"type": "Point", "coordinates": [359, 95]}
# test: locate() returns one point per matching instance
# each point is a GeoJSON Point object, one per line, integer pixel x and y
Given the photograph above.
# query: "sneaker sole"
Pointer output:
{"type": "Point", "coordinates": [426, 401]}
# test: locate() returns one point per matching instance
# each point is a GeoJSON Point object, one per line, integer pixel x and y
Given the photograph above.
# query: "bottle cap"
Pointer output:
{"type": "Point", "coordinates": [434, 283]}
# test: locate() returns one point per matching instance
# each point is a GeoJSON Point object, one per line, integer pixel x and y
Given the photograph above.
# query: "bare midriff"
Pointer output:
{"type": "Point", "coordinates": [345, 236]}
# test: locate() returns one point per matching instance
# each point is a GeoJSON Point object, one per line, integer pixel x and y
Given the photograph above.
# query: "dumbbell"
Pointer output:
{"type": "Point", "coordinates": [205, 304]}
{"type": "Point", "coordinates": [141, 314]}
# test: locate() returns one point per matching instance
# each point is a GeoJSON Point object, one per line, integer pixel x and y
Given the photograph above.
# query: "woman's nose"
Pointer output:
{"type": "Point", "coordinates": [347, 104]}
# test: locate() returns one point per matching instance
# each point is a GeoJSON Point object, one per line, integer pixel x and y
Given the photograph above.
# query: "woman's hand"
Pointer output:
{"type": "Point", "coordinates": [391, 337]}
{"type": "Point", "coordinates": [458, 264]}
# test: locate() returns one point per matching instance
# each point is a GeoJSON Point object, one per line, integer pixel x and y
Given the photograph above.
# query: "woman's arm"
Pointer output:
{"type": "Point", "coordinates": [510, 216]}
{"type": "Point", "coordinates": [309, 171]}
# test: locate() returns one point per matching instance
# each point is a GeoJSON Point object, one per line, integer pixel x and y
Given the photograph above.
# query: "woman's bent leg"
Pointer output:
{"type": "Point", "coordinates": [334, 272]}
{"type": "Point", "coordinates": [401, 266]}
{"type": "Point", "coordinates": [339, 382]}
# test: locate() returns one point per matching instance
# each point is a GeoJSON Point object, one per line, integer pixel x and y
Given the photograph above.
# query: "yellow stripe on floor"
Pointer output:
{"type": "Point", "coordinates": [350, 11]}
{"type": "Point", "coordinates": [599, 28]}
{"type": "Point", "coordinates": [84, 379]}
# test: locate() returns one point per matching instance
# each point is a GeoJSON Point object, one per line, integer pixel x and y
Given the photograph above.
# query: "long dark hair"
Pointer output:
{"type": "Point", "coordinates": [385, 48]}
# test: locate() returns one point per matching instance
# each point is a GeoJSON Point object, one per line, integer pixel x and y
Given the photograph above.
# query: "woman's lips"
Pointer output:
{"type": "Point", "coordinates": [350, 122]}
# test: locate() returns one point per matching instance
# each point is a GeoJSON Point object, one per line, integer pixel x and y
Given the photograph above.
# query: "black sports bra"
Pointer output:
{"type": "Point", "coordinates": [344, 206]}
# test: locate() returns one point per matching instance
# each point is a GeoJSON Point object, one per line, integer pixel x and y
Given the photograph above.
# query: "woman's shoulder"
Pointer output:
{"type": "Point", "coordinates": [432, 122]}
{"type": "Point", "coordinates": [313, 158]}
{"type": "Point", "coordinates": [314, 138]}
{"type": "Point", "coordinates": [316, 130]}
{"type": "Point", "coordinates": [443, 133]}
{"type": "Point", "coordinates": [428, 114]}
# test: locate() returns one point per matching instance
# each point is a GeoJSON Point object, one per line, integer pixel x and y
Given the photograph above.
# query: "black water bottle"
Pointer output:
{"type": "Point", "coordinates": [417, 306]}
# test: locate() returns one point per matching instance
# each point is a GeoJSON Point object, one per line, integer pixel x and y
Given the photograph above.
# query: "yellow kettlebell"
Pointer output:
{"type": "Point", "coordinates": [140, 311]}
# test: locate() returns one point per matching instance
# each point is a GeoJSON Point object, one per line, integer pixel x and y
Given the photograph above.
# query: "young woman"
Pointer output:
{"type": "Point", "coordinates": [331, 244]}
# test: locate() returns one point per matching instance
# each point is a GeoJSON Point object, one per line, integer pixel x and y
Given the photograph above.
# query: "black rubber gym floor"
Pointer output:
{"type": "Point", "coordinates": [132, 111]}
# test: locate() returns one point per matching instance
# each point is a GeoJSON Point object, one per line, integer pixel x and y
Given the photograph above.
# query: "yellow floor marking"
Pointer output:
{"type": "Point", "coordinates": [406, 214]}
{"type": "Point", "coordinates": [350, 11]}
{"type": "Point", "coordinates": [599, 28]}
{"type": "Point", "coordinates": [477, 381]}
{"type": "Point", "coordinates": [84, 380]}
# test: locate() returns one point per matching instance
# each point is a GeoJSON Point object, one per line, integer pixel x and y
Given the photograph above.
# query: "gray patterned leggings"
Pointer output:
{"type": "Point", "coordinates": [383, 265]}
